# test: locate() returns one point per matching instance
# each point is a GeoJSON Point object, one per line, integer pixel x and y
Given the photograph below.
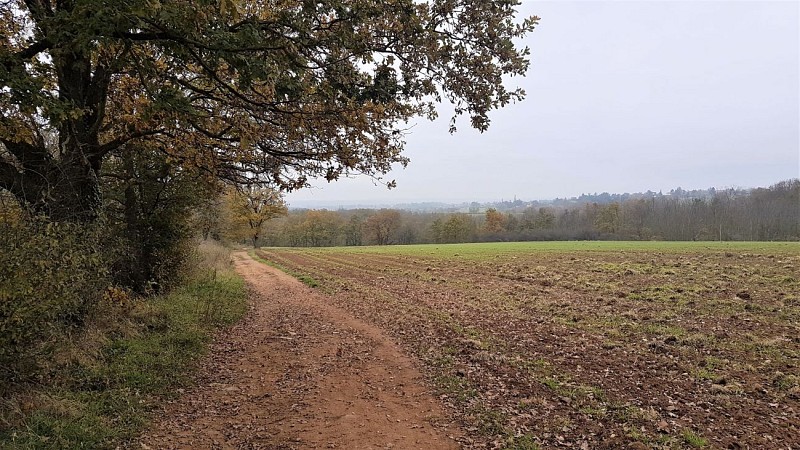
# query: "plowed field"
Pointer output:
{"type": "Point", "coordinates": [587, 345]}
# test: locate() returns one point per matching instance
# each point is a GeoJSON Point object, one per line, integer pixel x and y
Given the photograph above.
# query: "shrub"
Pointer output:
{"type": "Point", "coordinates": [149, 206]}
{"type": "Point", "coordinates": [51, 276]}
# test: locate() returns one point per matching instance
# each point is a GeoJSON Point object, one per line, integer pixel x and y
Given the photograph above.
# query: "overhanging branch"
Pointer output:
{"type": "Point", "coordinates": [28, 155]}
{"type": "Point", "coordinates": [33, 49]}
{"type": "Point", "coordinates": [120, 141]}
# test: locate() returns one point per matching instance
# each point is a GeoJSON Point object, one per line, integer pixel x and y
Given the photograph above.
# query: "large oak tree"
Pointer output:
{"type": "Point", "coordinates": [278, 90]}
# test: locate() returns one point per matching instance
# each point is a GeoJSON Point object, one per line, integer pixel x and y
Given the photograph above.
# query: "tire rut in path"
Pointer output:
{"type": "Point", "coordinates": [300, 373]}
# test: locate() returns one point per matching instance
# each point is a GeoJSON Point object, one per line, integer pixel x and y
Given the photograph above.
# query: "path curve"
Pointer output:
{"type": "Point", "coordinates": [297, 373]}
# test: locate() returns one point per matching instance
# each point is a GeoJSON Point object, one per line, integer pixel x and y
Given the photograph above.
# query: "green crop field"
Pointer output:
{"type": "Point", "coordinates": [588, 344]}
{"type": "Point", "coordinates": [491, 249]}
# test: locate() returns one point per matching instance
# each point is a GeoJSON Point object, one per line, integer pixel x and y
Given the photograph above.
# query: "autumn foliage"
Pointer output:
{"type": "Point", "coordinates": [274, 91]}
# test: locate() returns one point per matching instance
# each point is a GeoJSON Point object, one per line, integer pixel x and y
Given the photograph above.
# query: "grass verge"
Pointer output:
{"type": "Point", "coordinates": [103, 386]}
{"type": "Point", "coordinates": [305, 279]}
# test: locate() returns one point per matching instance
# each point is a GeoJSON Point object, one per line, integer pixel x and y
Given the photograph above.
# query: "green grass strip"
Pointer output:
{"type": "Point", "coordinates": [305, 279]}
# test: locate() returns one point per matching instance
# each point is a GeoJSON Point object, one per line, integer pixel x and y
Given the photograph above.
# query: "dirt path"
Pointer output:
{"type": "Point", "coordinates": [300, 373]}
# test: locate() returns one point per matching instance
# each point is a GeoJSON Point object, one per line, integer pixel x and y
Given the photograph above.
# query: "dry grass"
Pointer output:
{"type": "Point", "coordinates": [213, 259]}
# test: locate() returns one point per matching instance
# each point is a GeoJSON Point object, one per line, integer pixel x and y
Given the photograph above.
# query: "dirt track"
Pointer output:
{"type": "Point", "coordinates": [300, 373]}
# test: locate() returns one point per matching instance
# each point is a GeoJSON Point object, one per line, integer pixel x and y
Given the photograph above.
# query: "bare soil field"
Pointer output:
{"type": "Point", "coordinates": [636, 347]}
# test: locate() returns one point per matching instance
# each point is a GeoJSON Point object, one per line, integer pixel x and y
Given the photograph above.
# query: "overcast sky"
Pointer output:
{"type": "Point", "coordinates": [623, 96]}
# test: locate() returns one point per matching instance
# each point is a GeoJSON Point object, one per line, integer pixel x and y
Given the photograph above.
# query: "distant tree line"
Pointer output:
{"type": "Point", "coordinates": [763, 214]}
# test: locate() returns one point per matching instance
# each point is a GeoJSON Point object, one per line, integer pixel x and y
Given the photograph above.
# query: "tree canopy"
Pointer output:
{"type": "Point", "coordinates": [249, 207]}
{"type": "Point", "coordinates": [278, 90]}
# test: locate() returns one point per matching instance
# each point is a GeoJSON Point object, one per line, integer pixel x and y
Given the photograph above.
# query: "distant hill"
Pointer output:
{"type": "Point", "coordinates": [518, 205]}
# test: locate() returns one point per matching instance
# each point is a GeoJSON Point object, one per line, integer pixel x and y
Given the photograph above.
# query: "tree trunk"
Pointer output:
{"type": "Point", "coordinates": [65, 190]}
{"type": "Point", "coordinates": [72, 195]}
{"type": "Point", "coordinates": [60, 179]}
{"type": "Point", "coordinates": [137, 272]}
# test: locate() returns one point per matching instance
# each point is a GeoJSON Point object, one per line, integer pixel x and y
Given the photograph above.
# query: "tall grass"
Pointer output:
{"type": "Point", "coordinates": [132, 355]}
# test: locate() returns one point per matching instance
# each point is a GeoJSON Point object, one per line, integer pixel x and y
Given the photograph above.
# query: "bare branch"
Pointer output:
{"type": "Point", "coordinates": [120, 141]}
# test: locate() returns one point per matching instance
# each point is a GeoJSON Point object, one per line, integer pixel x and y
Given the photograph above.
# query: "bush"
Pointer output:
{"type": "Point", "coordinates": [152, 254]}
{"type": "Point", "coordinates": [51, 277]}
{"type": "Point", "coordinates": [149, 206]}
